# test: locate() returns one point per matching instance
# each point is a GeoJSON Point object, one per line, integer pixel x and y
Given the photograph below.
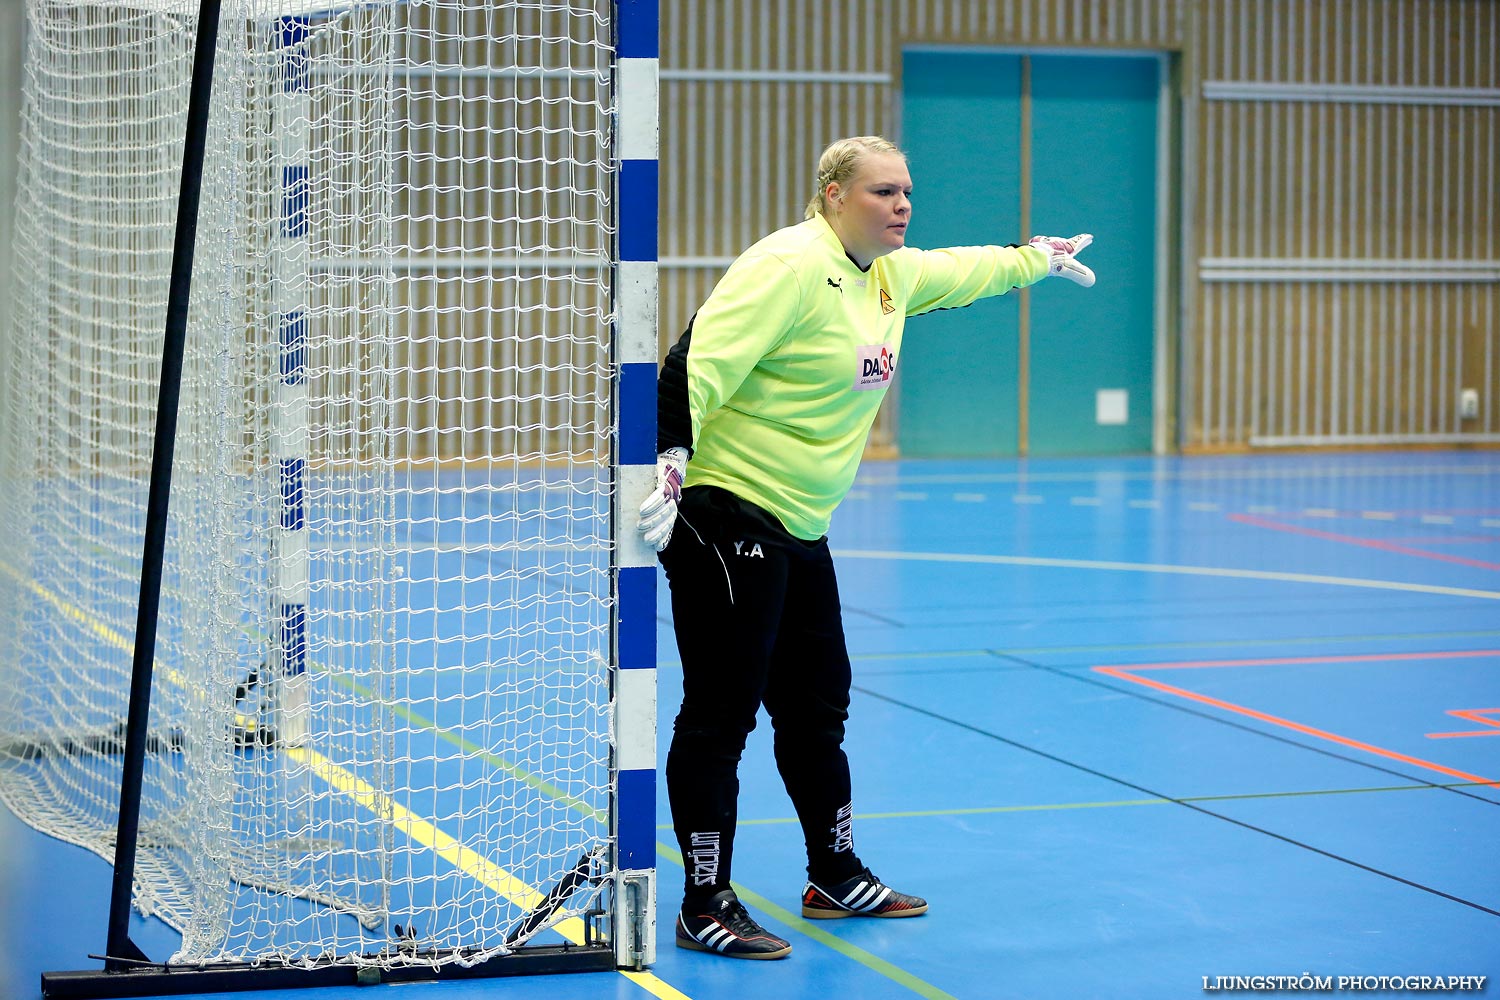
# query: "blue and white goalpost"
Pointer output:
{"type": "Point", "coordinates": [637, 36]}
{"type": "Point", "coordinates": [291, 116]}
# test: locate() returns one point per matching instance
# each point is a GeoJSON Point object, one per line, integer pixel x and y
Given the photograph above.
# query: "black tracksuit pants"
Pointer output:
{"type": "Point", "coordinates": [758, 622]}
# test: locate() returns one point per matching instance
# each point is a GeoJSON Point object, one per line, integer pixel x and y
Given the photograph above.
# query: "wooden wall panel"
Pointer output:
{"type": "Point", "coordinates": [1337, 259]}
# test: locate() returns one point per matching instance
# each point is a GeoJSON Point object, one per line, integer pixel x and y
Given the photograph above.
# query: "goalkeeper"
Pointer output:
{"type": "Point", "coordinates": [764, 405]}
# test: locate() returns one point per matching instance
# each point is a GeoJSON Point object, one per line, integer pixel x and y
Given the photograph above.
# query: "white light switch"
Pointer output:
{"type": "Point", "coordinates": [1112, 406]}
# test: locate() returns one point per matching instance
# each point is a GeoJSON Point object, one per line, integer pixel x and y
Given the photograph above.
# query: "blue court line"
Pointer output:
{"type": "Point", "coordinates": [1194, 806]}
{"type": "Point", "coordinates": [1120, 803]}
{"type": "Point", "coordinates": [944, 654]}
{"type": "Point", "coordinates": [1128, 673]}
{"type": "Point", "coordinates": [1178, 705]}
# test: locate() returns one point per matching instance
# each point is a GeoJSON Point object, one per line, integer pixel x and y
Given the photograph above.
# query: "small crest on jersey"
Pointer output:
{"type": "Point", "coordinates": [885, 303]}
{"type": "Point", "coordinates": [876, 367]}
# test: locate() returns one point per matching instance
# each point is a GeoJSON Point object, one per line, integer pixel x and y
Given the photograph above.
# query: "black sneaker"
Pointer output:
{"type": "Point", "coordinates": [864, 895]}
{"type": "Point", "coordinates": [723, 926]}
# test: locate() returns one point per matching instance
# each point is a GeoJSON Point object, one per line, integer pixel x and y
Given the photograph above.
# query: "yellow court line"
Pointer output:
{"type": "Point", "coordinates": [1117, 647]}
{"type": "Point", "coordinates": [648, 982]}
{"type": "Point", "coordinates": [1119, 803]}
{"type": "Point", "coordinates": [465, 859]}
{"type": "Point", "coordinates": [421, 831]}
{"type": "Point", "coordinates": [103, 631]}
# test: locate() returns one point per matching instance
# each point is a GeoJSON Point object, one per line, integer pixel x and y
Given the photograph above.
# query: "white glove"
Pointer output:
{"type": "Point", "coordinates": [1061, 253]}
{"type": "Point", "coordinates": [659, 509]}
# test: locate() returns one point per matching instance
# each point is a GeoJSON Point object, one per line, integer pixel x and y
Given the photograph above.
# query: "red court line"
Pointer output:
{"type": "Point", "coordinates": [1479, 715]}
{"type": "Point", "coordinates": [1448, 540]}
{"type": "Point", "coordinates": [1369, 543]}
{"type": "Point", "coordinates": [1124, 673]}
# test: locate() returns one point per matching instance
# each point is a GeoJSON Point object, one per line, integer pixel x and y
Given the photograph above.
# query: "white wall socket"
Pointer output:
{"type": "Point", "coordinates": [1468, 404]}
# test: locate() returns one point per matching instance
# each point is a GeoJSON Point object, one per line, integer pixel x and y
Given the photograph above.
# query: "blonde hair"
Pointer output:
{"type": "Point", "coordinates": [841, 161]}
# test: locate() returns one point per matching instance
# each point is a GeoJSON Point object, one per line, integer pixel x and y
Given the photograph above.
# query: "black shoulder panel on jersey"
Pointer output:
{"type": "Point", "coordinates": [674, 418]}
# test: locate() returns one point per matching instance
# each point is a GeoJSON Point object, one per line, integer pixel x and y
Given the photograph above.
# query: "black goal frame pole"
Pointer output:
{"type": "Point", "coordinates": [121, 953]}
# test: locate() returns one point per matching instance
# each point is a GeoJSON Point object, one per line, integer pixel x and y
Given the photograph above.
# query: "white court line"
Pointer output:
{"type": "Point", "coordinates": [1125, 567]}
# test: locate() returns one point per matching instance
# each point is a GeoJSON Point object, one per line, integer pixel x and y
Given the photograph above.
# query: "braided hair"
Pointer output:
{"type": "Point", "coordinates": [840, 162]}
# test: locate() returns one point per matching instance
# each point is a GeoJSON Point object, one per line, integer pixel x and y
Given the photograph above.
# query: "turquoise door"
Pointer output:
{"type": "Point", "coordinates": [1084, 385]}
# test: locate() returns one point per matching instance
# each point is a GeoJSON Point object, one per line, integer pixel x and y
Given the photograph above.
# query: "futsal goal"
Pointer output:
{"type": "Point", "coordinates": [402, 704]}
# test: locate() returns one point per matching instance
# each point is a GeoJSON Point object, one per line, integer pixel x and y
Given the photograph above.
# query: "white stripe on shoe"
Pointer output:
{"type": "Point", "coordinates": [852, 901]}
{"type": "Point", "coordinates": [867, 896]}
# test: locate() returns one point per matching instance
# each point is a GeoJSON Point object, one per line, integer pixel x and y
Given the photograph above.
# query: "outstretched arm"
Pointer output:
{"type": "Point", "coordinates": [1060, 257]}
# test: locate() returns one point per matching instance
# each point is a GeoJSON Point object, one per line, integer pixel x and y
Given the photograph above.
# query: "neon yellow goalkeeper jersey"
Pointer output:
{"type": "Point", "coordinates": [789, 359]}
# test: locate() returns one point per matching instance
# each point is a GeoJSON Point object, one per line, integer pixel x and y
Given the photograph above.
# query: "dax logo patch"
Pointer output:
{"type": "Point", "coordinates": [877, 365]}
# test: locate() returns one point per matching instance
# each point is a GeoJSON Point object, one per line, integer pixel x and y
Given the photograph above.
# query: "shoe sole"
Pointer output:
{"type": "Point", "coordinates": [813, 913]}
{"type": "Point", "coordinates": [761, 956]}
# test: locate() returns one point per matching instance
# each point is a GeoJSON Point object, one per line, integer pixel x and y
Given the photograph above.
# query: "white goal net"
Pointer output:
{"type": "Point", "coordinates": [380, 718]}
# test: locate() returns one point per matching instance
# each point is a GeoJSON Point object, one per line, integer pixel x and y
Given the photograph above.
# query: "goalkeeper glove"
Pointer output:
{"type": "Point", "coordinates": [659, 509]}
{"type": "Point", "coordinates": [1061, 253]}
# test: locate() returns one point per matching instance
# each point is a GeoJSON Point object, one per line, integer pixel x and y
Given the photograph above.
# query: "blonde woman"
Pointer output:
{"type": "Point", "coordinates": [764, 406]}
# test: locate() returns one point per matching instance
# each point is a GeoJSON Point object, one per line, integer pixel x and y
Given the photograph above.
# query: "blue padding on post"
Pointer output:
{"type": "Point", "coordinates": [635, 806]}
{"type": "Point", "coordinates": [636, 635]}
{"type": "Point", "coordinates": [638, 413]}
{"type": "Point", "coordinates": [293, 639]}
{"type": "Point", "coordinates": [294, 347]}
{"type": "Point", "coordinates": [294, 30]}
{"type": "Point", "coordinates": [294, 189]}
{"type": "Point", "coordinates": [638, 210]}
{"type": "Point", "coordinates": [638, 25]}
{"type": "Point", "coordinates": [293, 508]}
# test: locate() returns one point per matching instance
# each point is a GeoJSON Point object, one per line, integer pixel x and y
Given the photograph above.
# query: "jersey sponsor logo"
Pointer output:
{"type": "Point", "coordinates": [876, 366]}
{"type": "Point", "coordinates": [839, 285]}
{"type": "Point", "coordinates": [885, 303]}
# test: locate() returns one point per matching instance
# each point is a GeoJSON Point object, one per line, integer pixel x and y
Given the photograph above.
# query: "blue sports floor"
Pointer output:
{"type": "Point", "coordinates": [1126, 723]}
